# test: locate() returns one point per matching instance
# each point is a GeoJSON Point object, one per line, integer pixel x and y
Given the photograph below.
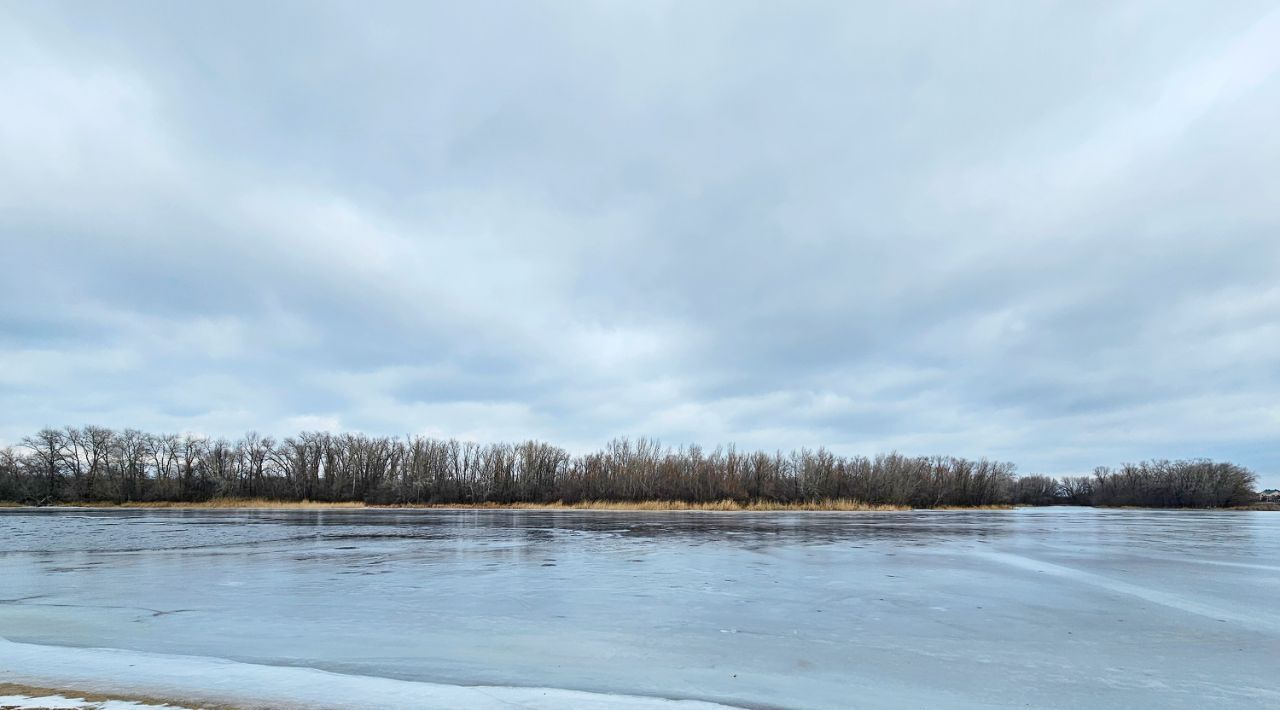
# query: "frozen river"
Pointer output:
{"type": "Point", "coordinates": [1042, 608]}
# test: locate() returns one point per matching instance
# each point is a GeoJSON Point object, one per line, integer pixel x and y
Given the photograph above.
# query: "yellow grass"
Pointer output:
{"type": "Point", "coordinates": [224, 503]}
{"type": "Point", "coordinates": [661, 505]}
{"type": "Point", "coordinates": [714, 506]}
{"type": "Point", "coordinates": [1261, 505]}
{"type": "Point", "coordinates": [834, 505]}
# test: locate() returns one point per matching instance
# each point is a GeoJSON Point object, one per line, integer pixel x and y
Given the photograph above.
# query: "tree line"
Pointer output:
{"type": "Point", "coordinates": [97, 464]}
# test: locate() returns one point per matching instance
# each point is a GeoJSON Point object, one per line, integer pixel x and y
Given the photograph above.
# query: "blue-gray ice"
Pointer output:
{"type": "Point", "coordinates": [1044, 608]}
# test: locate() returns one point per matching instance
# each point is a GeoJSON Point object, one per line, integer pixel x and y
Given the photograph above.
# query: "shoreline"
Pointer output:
{"type": "Point", "coordinates": [653, 506]}
{"type": "Point", "coordinates": [21, 695]}
{"type": "Point", "coordinates": [726, 506]}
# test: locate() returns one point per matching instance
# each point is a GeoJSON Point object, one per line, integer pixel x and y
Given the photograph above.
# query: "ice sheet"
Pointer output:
{"type": "Point", "coordinates": [215, 680]}
{"type": "Point", "coordinates": [1043, 608]}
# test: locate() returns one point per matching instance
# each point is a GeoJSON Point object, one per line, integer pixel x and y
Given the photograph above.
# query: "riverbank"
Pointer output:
{"type": "Point", "coordinates": [843, 505]}
{"type": "Point", "coordinates": [837, 505]}
{"type": "Point", "coordinates": [722, 506]}
{"type": "Point", "coordinates": [1262, 505]}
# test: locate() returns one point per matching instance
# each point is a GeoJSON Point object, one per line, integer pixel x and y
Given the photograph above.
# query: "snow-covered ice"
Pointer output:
{"type": "Point", "coordinates": [1048, 608]}
{"type": "Point", "coordinates": [249, 685]}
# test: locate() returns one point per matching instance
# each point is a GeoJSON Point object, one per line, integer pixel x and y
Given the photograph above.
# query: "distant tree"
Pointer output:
{"type": "Point", "coordinates": [48, 452]}
{"type": "Point", "coordinates": [95, 463]}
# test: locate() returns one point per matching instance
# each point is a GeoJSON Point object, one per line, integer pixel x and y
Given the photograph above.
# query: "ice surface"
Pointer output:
{"type": "Point", "coordinates": [1049, 608]}
{"type": "Point", "coordinates": [249, 685]}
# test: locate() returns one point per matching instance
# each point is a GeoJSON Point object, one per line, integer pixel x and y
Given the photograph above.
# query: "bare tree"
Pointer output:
{"type": "Point", "coordinates": [48, 452]}
{"type": "Point", "coordinates": [99, 464]}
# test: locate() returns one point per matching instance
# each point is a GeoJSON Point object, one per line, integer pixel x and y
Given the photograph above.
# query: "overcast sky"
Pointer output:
{"type": "Point", "coordinates": [1041, 232]}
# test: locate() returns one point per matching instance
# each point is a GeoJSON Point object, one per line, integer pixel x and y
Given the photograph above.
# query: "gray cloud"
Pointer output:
{"type": "Point", "coordinates": [1040, 232]}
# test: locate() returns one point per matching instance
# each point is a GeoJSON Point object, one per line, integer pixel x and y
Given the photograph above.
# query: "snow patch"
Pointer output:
{"type": "Point", "coordinates": [59, 702]}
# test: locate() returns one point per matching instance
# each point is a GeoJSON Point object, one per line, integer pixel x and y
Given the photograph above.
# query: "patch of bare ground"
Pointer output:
{"type": "Point", "coordinates": [33, 694]}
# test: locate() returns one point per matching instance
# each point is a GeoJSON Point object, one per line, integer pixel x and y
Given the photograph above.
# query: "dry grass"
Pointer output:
{"type": "Point", "coordinates": [1261, 505]}
{"type": "Point", "coordinates": [728, 506]}
{"type": "Point", "coordinates": [664, 505]}
{"type": "Point", "coordinates": [224, 503]}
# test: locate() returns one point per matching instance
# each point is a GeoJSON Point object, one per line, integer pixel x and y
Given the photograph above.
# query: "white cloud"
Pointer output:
{"type": "Point", "coordinates": [1043, 233]}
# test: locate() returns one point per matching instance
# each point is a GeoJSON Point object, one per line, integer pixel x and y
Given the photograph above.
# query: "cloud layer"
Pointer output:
{"type": "Point", "coordinates": [1040, 232]}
